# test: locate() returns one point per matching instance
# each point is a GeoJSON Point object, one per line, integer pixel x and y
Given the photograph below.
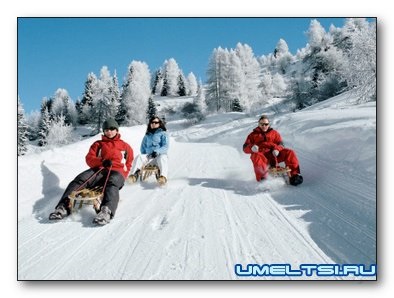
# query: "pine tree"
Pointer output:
{"type": "Point", "coordinates": [151, 110]}
{"type": "Point", "coordinates": [283, 57]}
{"type": "Point", "coordinates": [360, 70]}
{"type": "Point", "coordinates": [104, 106]}
{"type": "Point", "coordinates": [122, 109]}
{"type": "Point", "coordinates": [33, 121]}
{"type": "Point", "coordinates": [115, 95]}
{"type": "Point", "coordinates": [319, 75]}
{"type": "Point", "coordinates": [192, 85]}
{"type": "Point", "coordinates": [63, 105]}
{"type": "Point", "coordinates": [215, 78]}
{"type": "Point", "coordinates": [87, 100]}
{"type": "Point", "coordinates": [195, 112]}
{"type": "Point", "coordinates": [136, 92]}
{"type": "Point", "coordinates": [164, 89]}
{"type": "Point", "coordinates": [158, 83]}
{"type": "Point", "coordinates": [45, 124]}
{"type": "Point", "coordinates": [236, 106]}
{"type": "Point", "coordinates": [235, 90]}
{"type": "Point", "coordinates": [171, 78]}
{"type": "Point", "coordinates": [22, 130]}
{"type": "Point", "coordinates": [200, 100]}
{"type": "Point", "coordinates": [59, 133]}
{"type": "Point", "coordinates": [181, 85]}
{"type": "Point", "coordinates": [250, 92]}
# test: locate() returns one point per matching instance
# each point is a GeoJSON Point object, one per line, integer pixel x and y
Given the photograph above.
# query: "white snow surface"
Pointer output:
{"type": "Point", "coordinates": [212, 214]}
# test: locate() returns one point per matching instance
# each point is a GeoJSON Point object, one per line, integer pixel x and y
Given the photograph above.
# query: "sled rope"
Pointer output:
{"type": "Point", "coordinates": [94, 175]}
{"type": "Point", "coordinates": [106, 180]}
{"type": "Point", "coordinates": [97, 192]}
{"type": "Point", "coordinates": [90, 178]}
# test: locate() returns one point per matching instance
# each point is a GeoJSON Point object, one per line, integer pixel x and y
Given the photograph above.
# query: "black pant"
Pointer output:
{"type": "Point", "coordinates": [111, 193]}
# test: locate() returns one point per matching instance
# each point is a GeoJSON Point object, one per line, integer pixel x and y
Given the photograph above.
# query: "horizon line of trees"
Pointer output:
{"type": "Point", "coordinates": [332, 62]}
{"type": "Point", "coordinates": [130, 104]}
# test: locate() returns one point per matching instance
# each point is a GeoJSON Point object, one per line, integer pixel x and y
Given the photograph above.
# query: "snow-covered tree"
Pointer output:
{"type": "Point", "coordinates": [136, 92]}
{"type": "Point", "coordinates": [234, 83]}
{"type": "Point", "coordinates": [279, 85]}
{"type": "Point", "coordinates": [272, 85]}
{"type": "Point", "coordinates": [192, 84]}
{"type": "Point", "coordinates": [171, 74]}
{"type": "Point", "coordinates": [199, 100]}
{"type": "Point", "coordinates": [283, 57]}
{"type": "Point", "coordinates": [216, 74]}
{"type": "Point", "coordinates": [266, 85]}
{"type": "Point", "coordinates": [84, 107]}
{"type": "Point", "coordinates": [164, 87]}
{"type": "Point", "coordinates": [60, 133]}
{"type": "Point", "coordinates": [319, 74]}
{"type": "Point", "coordinates": [343, 37]}
{"type": "Point", "coordinates": [45, 123]}
{"type": "Point", "coordinates": [251, 70]}
{"type": "Point", "coordinates": [22, 130]}
{"type": "Point", "coordinates": [33, 123]}
{"type": "Point", "coordinates": [227, 75]}
{"type": "Point", "coordinates": [151, 110]}
{"type": "Point", "coordinates": [115, 91]}
{"type": "Point", "coordinates": [181, 85]}
{"type": "Point", "coordinates": [104, 104]}
{"type": "Point", "coordinates": [317, 37]}
{"type": "Point", "coordinates": [63, 105]}
{"type": "Point", "coordinates": [158, 82]}
{"type": "Point", "coordinates": [360, 70]}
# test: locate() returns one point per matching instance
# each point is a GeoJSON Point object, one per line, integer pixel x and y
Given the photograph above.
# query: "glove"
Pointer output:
{"type": "Point", "coordinates": [275, 152]}
{"type": "Point", "coordinates": [153, 154]}
{"type": "Point", "coordinates": [107, 163]}
{"type": "Point", "coordinates": [255, 148]}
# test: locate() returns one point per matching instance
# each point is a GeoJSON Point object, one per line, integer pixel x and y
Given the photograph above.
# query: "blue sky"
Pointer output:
{"type": "Point", "coordinates": [60, 52]}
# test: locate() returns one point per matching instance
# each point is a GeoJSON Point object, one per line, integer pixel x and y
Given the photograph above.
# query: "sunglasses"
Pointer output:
{"type": "Point", "coordinates": [155, 122]}
{"type": "Point", "coordinates": [264, 124]}
{"type": "Point", "coordinates": [111, 128]}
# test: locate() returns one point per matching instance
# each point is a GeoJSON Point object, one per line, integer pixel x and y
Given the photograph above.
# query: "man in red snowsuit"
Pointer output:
{"type": "Point", "coordinates": [111, 157]}
{"type": "Point", "coordinates": [265, 146]}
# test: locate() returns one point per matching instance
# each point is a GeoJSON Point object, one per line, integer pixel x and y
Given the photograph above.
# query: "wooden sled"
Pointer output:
{"type": "Point", "coordinates": [279, 171]}
{"type": "Point", "coordinates": [86, 196]}
{"type": "Point", "coordinates": [149, 170]}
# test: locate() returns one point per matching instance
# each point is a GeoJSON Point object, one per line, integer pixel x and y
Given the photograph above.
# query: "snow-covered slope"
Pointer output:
{"type": "Point", "coordinates": [212, 214]}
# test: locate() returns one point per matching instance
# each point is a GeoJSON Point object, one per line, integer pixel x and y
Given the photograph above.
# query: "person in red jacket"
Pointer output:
{"type": "Point", "coordinates": [265, 146]}
{"type": "Point", "coordinates": [110, 156]}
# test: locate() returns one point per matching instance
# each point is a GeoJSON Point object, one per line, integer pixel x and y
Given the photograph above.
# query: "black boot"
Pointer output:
{"type": "Point", "coordinates": [296, 179]}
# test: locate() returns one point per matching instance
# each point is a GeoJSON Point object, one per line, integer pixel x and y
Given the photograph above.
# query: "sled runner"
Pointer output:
{"type": "Point", "coordinates": [145, 172]}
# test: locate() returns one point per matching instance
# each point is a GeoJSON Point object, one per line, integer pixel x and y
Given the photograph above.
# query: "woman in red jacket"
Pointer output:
{"type": "Point", "coordinates": [110, 155]}
{"type": "Point", "coordinates": [265, 146]}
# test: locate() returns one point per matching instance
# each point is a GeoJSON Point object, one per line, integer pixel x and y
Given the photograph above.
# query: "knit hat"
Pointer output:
{"type": "Point", "coordinates": [110, 123]}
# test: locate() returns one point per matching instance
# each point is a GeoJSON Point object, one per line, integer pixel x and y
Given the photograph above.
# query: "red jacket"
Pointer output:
{"type": "Point", "coordinates": [116, 150]}
{"type": "Point", "coordinates": [267, 141]}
